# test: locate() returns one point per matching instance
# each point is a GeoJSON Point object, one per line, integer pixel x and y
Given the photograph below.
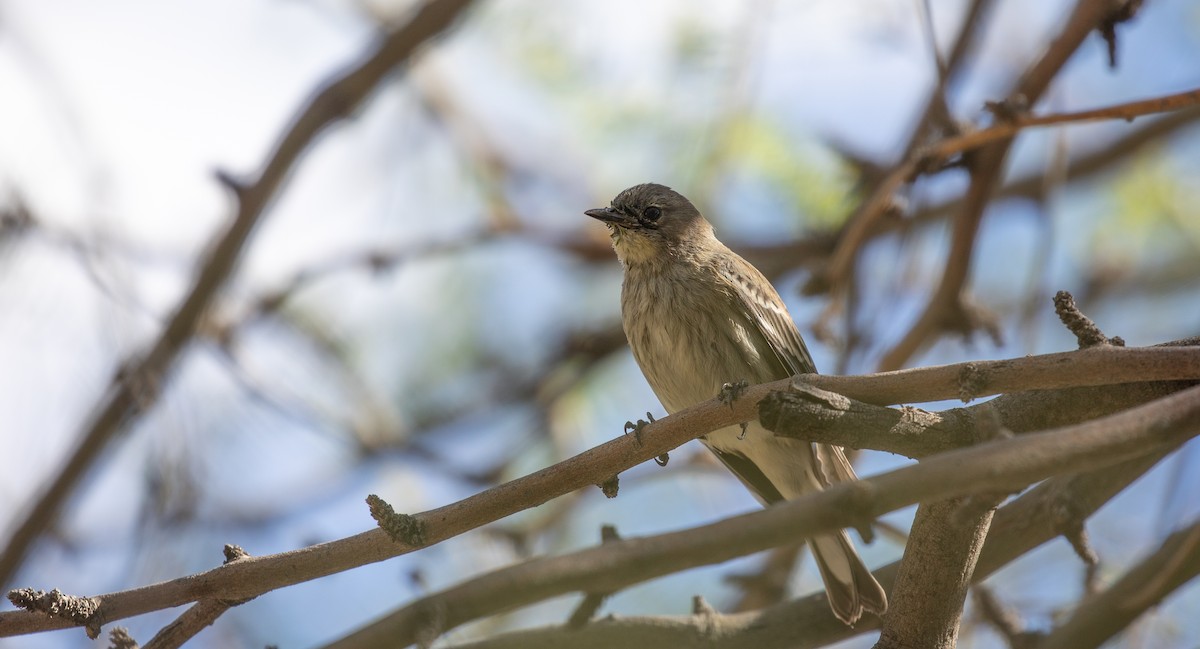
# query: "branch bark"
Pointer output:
{"type": "Point", "coordinates": [805, 623]}
{"type": "Point", "coordinates": [935, 572]}
{"type": "Point", "coordinates": [253, 576]}
{"type": "Point", "coordinates": [996, 467]}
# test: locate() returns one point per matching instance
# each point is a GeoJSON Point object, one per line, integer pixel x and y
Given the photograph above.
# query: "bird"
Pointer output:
{"type": "Point", "coordinates": [698, 318]}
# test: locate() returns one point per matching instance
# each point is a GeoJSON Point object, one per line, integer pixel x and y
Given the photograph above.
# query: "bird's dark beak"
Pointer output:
{"type": "Point", "coordinates": [608, 215]}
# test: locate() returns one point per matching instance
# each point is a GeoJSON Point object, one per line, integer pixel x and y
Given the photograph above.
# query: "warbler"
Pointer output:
{"type": "Point", "coordinates": [698, 317]}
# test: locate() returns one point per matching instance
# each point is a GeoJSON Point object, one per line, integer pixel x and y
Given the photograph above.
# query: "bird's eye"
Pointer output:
{"type": "Point", "coordinates": [652, 213]}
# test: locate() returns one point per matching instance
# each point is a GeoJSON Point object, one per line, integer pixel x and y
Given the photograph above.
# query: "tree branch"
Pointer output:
{"type": "Point", "coordinates": [140, 381]}
{"type": "Point", "coordinates": [256, 575]}
{"type": "Point", "coordinates": [946, 307]}
{"type": "Point", "coordinates": [805, 623]}
{"type": "Point", "coordinates": [1006, 129]}
{"type": "Point", "coordinates": [1098, 619]}
{"type": "Point", "coordinates": [935, 572]}
{"type": "Point", "coordinates": [999, 466]}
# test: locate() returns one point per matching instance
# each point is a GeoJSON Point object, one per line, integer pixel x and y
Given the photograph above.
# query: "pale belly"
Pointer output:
{"type": "Point", "coordinates": [687, 353]}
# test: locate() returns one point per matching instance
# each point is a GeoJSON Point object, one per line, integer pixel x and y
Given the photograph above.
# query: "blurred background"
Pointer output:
{"type": "Point", "coordinates": [424, 310]}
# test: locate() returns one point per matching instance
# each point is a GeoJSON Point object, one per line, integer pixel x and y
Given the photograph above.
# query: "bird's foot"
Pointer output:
{"type": "Point", "coordinates": [636, 429]}
{"type": "Point", "coordinates": [731, 392]}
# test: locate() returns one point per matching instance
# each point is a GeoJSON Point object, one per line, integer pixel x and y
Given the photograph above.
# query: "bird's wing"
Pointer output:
{"type": "Point", "coordinates": [767, 312]}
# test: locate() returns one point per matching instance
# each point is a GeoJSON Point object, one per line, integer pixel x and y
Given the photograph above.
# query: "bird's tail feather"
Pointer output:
{"type": "Point", "coordinates": [850, 585]}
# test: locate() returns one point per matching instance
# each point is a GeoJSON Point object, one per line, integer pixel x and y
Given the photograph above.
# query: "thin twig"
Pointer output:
{"type": "Point", "coordinates": [1006, 129]}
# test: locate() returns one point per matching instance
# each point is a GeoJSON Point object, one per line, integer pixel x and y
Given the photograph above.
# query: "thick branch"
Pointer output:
{"type": "Point", "coordinates": [1099, 366]}
{"type": "Point", "coordinates": [256, 575]}
{"type": "Point", "coordinates": [935, 572]}
{"type": "Point", "coordinates": [999, 466]}
{"type": "Point", "coordinates": [811, 414]}
{"type": "Point", "coordinates": [142, 378]}
{"type": "Point", "coordinates": [805, 623]}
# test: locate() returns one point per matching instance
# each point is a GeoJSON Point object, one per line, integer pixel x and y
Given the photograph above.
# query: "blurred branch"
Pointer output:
{"type": "Point", "coordinates": [997, 467]}
{"type": "Point", "coordinates": [1085, 166]}
{"type": "Point", "coordinates": [815, 249]}
{"type": "Point", "coordinates": [253, 576]}
{"type": "Point", "coordinates": [374, 260]}
{"type": "Point", "coordinates": [733, 99]}
{"type": "Point", "coordinates": [140, 381]}
{"type": "Point", "coordinates": [946, 307]}
{"type": "Point", "coordinates": [1099, 618]}
{"type": "Point", "coordinates": [936, 118]}
{"type": "Point", "coordinates": [1002, 619]}
{"type": "Point", "coordinates": [768, 585]}
{"type": "Point", "coordinates": [1007, 128]}
{"type": "Point", "coordinates": [489, 162]}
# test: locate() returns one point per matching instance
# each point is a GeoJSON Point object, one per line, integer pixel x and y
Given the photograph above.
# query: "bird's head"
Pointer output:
{"type": "Point", "coordinates": [651, 222]}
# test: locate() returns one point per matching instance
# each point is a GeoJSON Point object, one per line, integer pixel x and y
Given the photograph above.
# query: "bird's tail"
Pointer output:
{"type": "Point", "coordinates": [850, 585]}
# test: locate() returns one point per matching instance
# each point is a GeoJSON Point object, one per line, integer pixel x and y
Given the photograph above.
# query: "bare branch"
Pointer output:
{"type": "Point", "coordinates": [1042, 372]}
{"type": "Point", "coordinates": [935, 572]}
{"type": "Point", "coordinates": [256, 575]}
{"type": "Point", "coordinates": [1008, 128]}
{"type": "Point", "coordinates": [1146, 584]}
{"type": "Point", "coordinates": [805, 623]}
{"type": "Point", "coordinates": [199, 617]}
{"type": "Point", "coordinates": [1086, 331]}
{"type": "Point", "coordinates": [986, 165]}
{"type": "Point", "coordinates": [144, 375]}
{"type": "Point", "coordinates": [987, 469]}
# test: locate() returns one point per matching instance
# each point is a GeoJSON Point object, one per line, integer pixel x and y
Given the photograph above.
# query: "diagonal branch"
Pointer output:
{"type": "Point", "coordinates": [805, 623]}
{"type": "Point", "coordinates": [141, 380]}
{"type": "Point", "coordinates": [936, 113]}
{"type": "Point", "coordinates": [1143, 586]}
{"type": "Point", "coordinates": [945, 306]}
{"type": "Point", "coordinates": [1006, 129]}
{"type": "Point", "coordinates": [254, 576]}
{"type": "Point", "coordinates": [990, 468]}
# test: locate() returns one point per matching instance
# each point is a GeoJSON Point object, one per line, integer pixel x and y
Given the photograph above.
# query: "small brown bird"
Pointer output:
{"type": "Point", "coordinates": [699, 316]}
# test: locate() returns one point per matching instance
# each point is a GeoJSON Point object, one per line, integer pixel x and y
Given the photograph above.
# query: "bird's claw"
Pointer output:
{"type": "Point", "coordinates": [636, 429]}
{"type": "Point", "coordinates": [731, 392]}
